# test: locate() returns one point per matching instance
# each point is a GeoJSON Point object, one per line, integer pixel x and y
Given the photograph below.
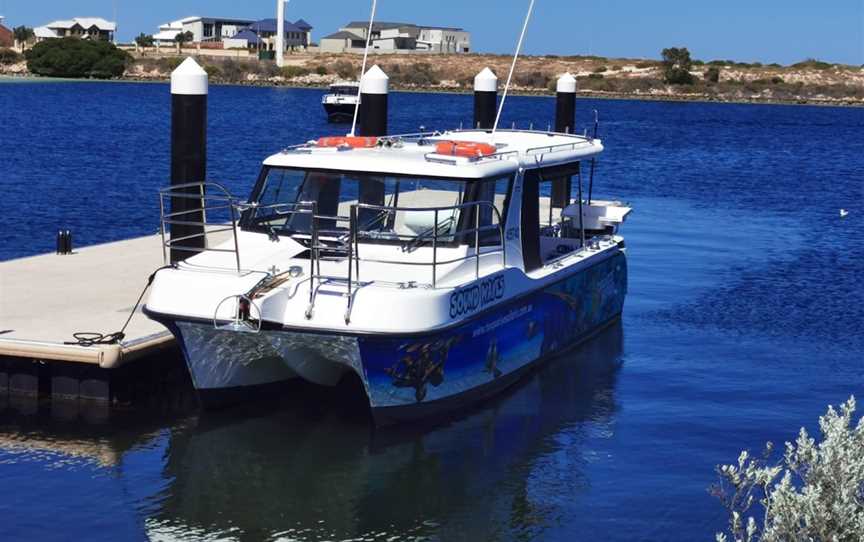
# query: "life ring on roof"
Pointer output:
{"type": "Point", "coordinates": [468, 149]}
{"type": "Point", "coordinates": [355, 142]}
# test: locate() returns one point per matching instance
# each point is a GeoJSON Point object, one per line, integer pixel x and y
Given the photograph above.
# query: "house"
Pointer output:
{"type": "Point", "coordinates": [340, 42]}
{"type": "Point", "coordinates": [92, 28]}
{"type": "Point", "coordinates": [295, 35]}
{"type": "Point", "coordinates": [203, 29]}
{"type": "Point", "coordinates": [236, 33]}
{"type": "Point", "coordinates": [397, 37]}
{"type": "Point", "coordinates": [7, 38]}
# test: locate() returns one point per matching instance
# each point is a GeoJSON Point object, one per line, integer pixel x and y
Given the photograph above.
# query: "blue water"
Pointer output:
{"type": "Point", "coordinates": [745, 319]}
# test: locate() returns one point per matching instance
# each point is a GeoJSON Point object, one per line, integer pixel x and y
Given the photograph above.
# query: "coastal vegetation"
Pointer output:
{"type": "Point", "coordinates": [23, 35]}
{"type": "Point", "coordinates": [72, 57]}
{"type": "Point", "coordinates": [9, 56]}
{"type": "Point", "coordinates": [677, 66]}
{"type": "Point", "coordinates": [675, 76]}
{"type": "Point", "coordinates": [815, 491]}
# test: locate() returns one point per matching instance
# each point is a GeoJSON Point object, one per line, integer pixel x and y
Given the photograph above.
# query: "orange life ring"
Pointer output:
{"type": "Point", "coordinates": [468, 149]}
{"type": "Point", "coordinates": [355, 142]}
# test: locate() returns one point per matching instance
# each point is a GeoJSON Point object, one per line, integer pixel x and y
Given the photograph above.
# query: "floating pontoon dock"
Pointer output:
{"type": "Point", "coordinates": [45, 299]}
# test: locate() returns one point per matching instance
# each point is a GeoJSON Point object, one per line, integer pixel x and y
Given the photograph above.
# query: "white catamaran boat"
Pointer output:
{"type": "Point", "coordinates": [341, 101]}
{"type": "Point", "coordinates": [432, 266]}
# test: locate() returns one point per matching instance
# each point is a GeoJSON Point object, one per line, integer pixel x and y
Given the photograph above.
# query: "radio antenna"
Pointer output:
{"type": "Point", "coordinates": [363, 68]}
{"type": "Point", "coordinates": [512, 67]}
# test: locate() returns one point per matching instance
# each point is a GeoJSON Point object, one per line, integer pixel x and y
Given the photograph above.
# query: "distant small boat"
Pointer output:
{"type": "Point", "coordinates": [843, 213]}
{"type": "Point", "coordinates": [340, 102]}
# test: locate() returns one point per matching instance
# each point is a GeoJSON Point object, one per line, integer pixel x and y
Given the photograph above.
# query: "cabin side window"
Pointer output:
{"type": "Point", "coordinates": [545, 235]}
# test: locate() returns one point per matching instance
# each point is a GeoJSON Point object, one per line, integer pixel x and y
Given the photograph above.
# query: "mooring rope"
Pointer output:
{"type": "Point", "coordinates": [90, 338]}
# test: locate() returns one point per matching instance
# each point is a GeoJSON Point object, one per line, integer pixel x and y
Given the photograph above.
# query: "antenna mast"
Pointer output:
{"type": "Point", "coordinates": [512, 67]}
{"type": "Point", "coordinates": [363, 68]}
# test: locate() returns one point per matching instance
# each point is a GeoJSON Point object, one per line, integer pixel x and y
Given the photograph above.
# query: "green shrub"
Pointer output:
{"type": "Point", "coordinates": [712, 74]}
{"type": "Point", "coordinates": [321, 69]}
{"type": "Point", "coordinates": [169, 63]}
{"type": "Point", "coordinates": [419, 74]}
{"type": "Point", "coordinates": [72, 57]}
{"type": "Point", "coordinates": [8, 56]}
{"type": "Point", "coordinates": [595, 76]}
{"type": "Point", "coordinates": [777, 80]}
{"type": "Point", "coordinates": [232, 71]}
{"type": "Point", "coordinates": [812, 64]}
{"type": "Point", "coordinates": [344, 69]}
{"type": "Point", "coordinates": [601, 69]}
{"type": "Point", "coordinates": [676, 66]}
{"type": "Point", "coordinates": [290, 72]}
{"type": "Point", "coordinates": [212, 71]}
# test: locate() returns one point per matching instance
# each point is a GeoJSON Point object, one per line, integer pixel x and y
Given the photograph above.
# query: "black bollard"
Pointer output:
{"type": "Point", "coordinates": [565, 119]}
{"type": "Point", "coordinates": [565, 105]}
{"type": "Point", "coordinates": [485, 99]}
{"type": "Point", "coordinates": [60, 242]}
{"type": "Point", "coordinates": [188, 157]}
{"type": "Point", "coordinates": [68, 245]}
{"type": "Point", "coordinates": [372, 121]}
{"type": "Point", "coordinates": [372, 117]}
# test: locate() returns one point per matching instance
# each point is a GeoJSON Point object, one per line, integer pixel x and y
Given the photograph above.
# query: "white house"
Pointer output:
{"type": "Point", "coordinates": [203, 29]}
{"type": "Point", "coordinates": [93, 28]}
{"type": "Point", "coordinates": [397, 37]}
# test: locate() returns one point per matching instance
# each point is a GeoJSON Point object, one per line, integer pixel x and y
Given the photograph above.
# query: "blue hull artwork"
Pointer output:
{"type": "Point", "coordinates": [404, 375]}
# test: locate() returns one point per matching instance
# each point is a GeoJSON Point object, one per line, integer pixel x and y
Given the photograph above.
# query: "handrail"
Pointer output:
{"type": "Point", "coordinates": [223, 199]}
{"type": "Point", "coordinates": [435, 234]}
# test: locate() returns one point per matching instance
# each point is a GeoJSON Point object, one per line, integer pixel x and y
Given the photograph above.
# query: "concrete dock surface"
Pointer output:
{"type": "Point", "coordinates": [45, 299]}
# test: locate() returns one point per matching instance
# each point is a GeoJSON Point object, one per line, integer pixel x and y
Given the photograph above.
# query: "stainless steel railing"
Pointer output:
{"type": "Point", "coordinates": [347, 244]}
{"type": "Point", "coordinates": [210, 203]}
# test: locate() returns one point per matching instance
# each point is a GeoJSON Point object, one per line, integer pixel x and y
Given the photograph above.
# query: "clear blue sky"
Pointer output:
{"type": "Point", "coordinates": [783, 31]}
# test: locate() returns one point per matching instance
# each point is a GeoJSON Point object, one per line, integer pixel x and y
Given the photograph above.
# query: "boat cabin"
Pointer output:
{"type": "Point", "coordinates": [430, 211]}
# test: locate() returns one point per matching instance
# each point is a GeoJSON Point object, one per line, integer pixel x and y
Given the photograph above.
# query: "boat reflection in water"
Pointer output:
{"type": "Point", "coordinates": [295, 473]}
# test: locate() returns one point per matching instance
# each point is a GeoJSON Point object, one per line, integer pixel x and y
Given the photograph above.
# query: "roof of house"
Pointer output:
{"type": "Point", "coordinates": [302, 25]}
{"type": "Point", "coordinates": [166, 35]}
{"type": "Point", "coordinates": [84, 22]}
{"type": "Point", "coordinates": [377, 27]}
{"type": "Point", "coordinates": [269, 25]}
{"type": "Point", "coordinates": [343, 35]}
{"type": "Point", "coordinates": [248, 35]}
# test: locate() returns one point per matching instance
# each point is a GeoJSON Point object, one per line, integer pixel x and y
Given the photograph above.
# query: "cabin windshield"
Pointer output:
{"type": "Point", "coordinates": [392, 208]}
{"type": "Point", "coordinates": [344, 90]}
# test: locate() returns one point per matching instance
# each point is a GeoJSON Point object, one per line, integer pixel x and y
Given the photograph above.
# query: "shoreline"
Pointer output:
{"type": "Point", "coordinates": [583, 94]}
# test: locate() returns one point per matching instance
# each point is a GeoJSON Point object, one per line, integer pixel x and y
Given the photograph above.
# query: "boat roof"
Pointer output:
{"type": "Point", "coordinates": [414, 154]}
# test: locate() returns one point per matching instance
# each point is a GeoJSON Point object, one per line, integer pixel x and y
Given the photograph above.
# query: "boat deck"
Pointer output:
{"type": "Point", "coordinates": [45, 299]}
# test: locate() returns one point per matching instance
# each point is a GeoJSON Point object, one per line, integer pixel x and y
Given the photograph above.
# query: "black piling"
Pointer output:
{"type": "Point", "coordinates": [485, 99]}
{"type": "Point", "coordinates": [188, 156]}
{"type": "Point", "coordinates": [565, 105]}
{"type": "Point", "coordinates": [372, 117]}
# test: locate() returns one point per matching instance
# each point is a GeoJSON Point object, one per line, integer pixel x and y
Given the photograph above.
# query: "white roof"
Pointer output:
{"type": "Point", "coordinates": [84, 22]}
{"type": "Point", "coordinates": [44, 32]}
{"type": "Point", "coordinates": [178, 24]}
{"type": "Point", "coordinates": [413, 156]}
{"type": "Point", "coordinates": [166, 35]}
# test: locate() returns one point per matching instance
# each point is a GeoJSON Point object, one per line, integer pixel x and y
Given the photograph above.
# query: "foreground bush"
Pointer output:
{"type": "Point", "coordinates": [820, 493]}
{"type": "Point", "coordinates": [8, 56]}
{"type": "Point", "coordinates": [72, 57]}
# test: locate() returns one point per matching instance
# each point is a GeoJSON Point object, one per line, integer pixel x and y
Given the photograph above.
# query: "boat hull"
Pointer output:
{"type": "Point", "coordinates": [419, 375]}
{"type": "Point", "coordinates": [339, 112]}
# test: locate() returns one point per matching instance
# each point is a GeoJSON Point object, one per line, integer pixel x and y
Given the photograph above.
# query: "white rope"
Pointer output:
{"type": "Point", "coordinates": [512, 67]}
{"type": "Point", "coordinates": [363, 69]}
